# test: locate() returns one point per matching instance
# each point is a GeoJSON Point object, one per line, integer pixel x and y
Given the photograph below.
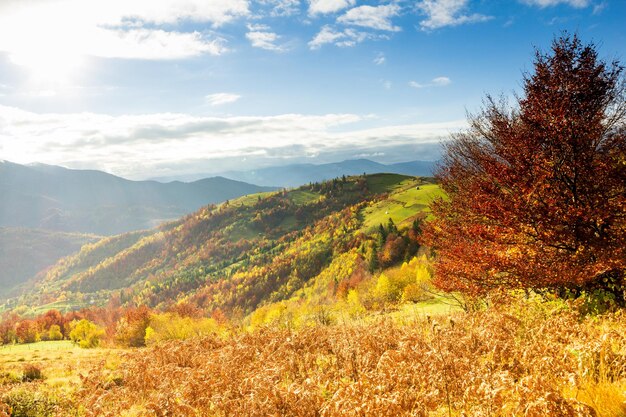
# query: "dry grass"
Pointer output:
{"type": "Point", "coordinates": [487, 363]}
{"type": "Point", "coordinates": [61, 365]}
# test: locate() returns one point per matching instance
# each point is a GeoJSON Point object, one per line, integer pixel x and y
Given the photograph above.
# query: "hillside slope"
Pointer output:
{"type": "Point", "coordinates": [234, 257]}
{"type": "Point", "coordinates": [56, 198]}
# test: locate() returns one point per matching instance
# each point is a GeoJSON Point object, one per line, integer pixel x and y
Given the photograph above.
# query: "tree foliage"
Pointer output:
{"type": "Point", "coordinates": [537, 191]}
{"type": "Point", "coordinates": [86, 334]}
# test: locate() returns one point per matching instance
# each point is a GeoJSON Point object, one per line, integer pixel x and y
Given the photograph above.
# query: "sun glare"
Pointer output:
{"type": "Point", "coordinates": [46, 44]}
{"type": "Point", "coordinates": [52, 67]}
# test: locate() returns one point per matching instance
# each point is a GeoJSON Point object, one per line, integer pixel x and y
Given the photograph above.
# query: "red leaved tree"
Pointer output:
{"type": "Point", "coordinates": [536, 192]}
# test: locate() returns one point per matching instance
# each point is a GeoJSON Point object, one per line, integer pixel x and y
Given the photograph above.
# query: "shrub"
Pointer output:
{"type": "Point", "coordinates": [31, 373]}
{"type": "Point", "coordinates": [27, 332]}
{"type": "Point", "coordinates": [131, 328]}
{"type": "Point", "coordinates": [408, 283]}
{"type": "Point", "coordinates": [354, 306]}
{"type": "Point", "coordinates": [25, 402]}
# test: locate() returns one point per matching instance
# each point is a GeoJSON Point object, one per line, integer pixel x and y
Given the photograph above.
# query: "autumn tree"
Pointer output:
{"type": "Point", "coordinates": [86, 334]}
{"type": "Point", "coordinates": [536, 191]}
{"type": "Point", "coordinates": [130, 329]}
{"type": "Point", "coordinates": [27, 332]}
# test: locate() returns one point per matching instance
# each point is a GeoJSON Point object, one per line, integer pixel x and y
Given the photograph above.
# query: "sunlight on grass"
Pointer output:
{"type": "Point", "coordinates": [402, 205]}
{"type": "Point", "coordinates": [302, 197]}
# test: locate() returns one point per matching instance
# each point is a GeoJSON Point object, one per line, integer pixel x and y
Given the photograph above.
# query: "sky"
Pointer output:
{"type": "Point", "coordinates": [149, 88]}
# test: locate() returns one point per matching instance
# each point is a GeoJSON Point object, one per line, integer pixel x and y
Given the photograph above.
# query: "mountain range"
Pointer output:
{"type": "Point", "coordinates": [56, 198]}
{"type": "Point", "coordinates": [295, 175]}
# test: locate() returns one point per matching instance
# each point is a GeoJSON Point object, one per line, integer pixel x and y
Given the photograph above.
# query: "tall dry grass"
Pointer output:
{"type": "Point", "coordinates": [514, 362]}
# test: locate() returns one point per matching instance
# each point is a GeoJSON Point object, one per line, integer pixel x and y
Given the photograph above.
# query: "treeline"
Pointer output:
{"type": "Point", "coordinates": [113, 325]}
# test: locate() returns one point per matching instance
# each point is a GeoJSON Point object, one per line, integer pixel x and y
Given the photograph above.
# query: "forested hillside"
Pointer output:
{"type": "Point", "coordinates": [249, 251]}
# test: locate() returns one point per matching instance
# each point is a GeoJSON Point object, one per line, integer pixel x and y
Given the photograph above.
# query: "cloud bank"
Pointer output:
{"type": "Point", "coordinates": [148, 145]}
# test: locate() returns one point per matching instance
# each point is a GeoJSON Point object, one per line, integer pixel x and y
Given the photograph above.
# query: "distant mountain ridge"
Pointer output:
{"type": "Point", "coordinates": [296, 175]}
{"type": "Point", "coordinates": [56, 198]}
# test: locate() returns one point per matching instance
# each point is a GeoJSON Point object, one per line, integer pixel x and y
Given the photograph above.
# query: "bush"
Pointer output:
{"type": "Point", "coordinates": [131, 328]}
{"type": "Point", "coordinates": [408, 283]}
{"type": "Point", "coordinates": [23, 402]}
{"type": "Point", "coordinates": [27, 332]}
{"type": "Point", "coordinates": [31, 373]}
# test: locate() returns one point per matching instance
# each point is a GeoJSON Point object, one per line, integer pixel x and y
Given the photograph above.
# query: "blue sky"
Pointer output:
{"type": "Point", "coordinates": [147, 88]}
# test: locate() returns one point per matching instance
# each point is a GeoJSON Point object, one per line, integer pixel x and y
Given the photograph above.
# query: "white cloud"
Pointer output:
{"type": "Point", "coordinates": [329, 6]}
{"type": "Point", "coordinates": [373, 17]}
{"type": "Point", "coordinates": [441, 13]}
{"type": "Point", "coordinates": [441, 81]}
{"type": "Point", "coordinates": [141, 29]}
{"type": "Point", "coordinates": [282, 8]}
{"type": "Point", "coordinates": [599, 8]}
{"type": "Point", "coordinates": [342, 38]}
{"type": "Point", "coordinates": [133, 145]}
{"type": "Point", "coordinates": [326, 35]}
{"type": "Point", "coordinates": [258, 27]}
{"type": "Point", "coordinates": [261, 37]}
{"type": "Point", "coordinates": [380, 59]}
{"type": "Point", "coordinates": [579, 4]}
{"type": "Point", "coordinates": [435, 82]}
{"type": "Point", "coordinates": [216, 12]}
{"type": "Point", "coordinates": [218, 99]}
{"type": "Point", "coordinates": [155, 44]}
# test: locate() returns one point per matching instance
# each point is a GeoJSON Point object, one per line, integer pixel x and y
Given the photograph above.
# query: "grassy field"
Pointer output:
{"type": "Point", "coordinates": [410, 198]}
{"type": "Point", "coordinates": [63, 306]}
{"type": "Point", "coordinates": [60, 361]}
{"type": "Point", "coordinates": [241, 230]}
{"type": "Point", "coordinates": [250, 199]}
{"type": "Point", "coordinates": [42, 379]}
{"type": "Point", "coordinates": [384, 183]}
{"type": "Point", "coordinates": [302, 197]}
{"type": "Point", "coordinates": [523, 361]}
{"type": "Point", "coordinates": [528, 357]}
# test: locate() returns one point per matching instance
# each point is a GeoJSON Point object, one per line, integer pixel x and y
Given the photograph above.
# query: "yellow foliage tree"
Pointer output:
{"type": "Point", "coordinates": [169, 326]}
{"type": "Point", "coordinates": [86, 334]}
